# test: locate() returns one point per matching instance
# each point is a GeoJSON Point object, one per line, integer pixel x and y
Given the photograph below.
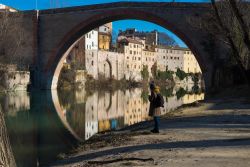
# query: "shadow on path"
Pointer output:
{"type": "Point", "coordinates": [167, 145]}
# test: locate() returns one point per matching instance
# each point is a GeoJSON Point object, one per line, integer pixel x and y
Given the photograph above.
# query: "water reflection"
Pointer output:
{"type": "Point", "coordinates": [87, 114]}
{"type": "Point", "coordinates": [41, 125]}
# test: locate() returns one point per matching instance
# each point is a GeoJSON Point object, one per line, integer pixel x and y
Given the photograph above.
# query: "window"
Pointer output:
{"type": "Point", "coordinates": [92, 43]}
{"type": "Point", "coordinates": [130, 52]}
{"type": "Point", "coordinates": [92, 63]}
{"type": "Point", "coordinates": [134, 52]}
{"type": "Point", "coordinates": [163, 57]}
{"type": "Point", "coordinates": [89, 35]}
{"type": "Point", "coordinates": [135, 66]}
{"type": "Point", "coordinates": [134, 46]}
{"type": "Point", "coordinates": [127, 57]}
{"type": "Point", "coordinates": [139, 58]}
{"type": "Point", "coordinates": [127, 66]}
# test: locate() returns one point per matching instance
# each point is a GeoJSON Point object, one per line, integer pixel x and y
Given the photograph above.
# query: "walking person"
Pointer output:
{"type": "Point", "coordinates": [156, 102]}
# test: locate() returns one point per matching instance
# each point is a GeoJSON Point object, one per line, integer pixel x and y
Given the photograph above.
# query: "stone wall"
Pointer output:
{"type": "Point", "coordinates": [16, 80]}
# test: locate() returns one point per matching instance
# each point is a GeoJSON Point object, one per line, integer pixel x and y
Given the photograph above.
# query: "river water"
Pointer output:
{"type": "Point", "coordinates": [43, 125]}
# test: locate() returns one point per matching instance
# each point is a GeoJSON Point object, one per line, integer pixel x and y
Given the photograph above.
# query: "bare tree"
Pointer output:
{"type": "Point", "coordinates": [6, 155]}
{"type": "Point", "coordinates": [230, 21]}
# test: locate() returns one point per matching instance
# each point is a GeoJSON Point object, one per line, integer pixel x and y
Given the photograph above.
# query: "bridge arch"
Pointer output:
{"type": "Point", "coordinates": [54, 65]}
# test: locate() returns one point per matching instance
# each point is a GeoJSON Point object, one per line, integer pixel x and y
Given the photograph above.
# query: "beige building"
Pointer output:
{"type": "Point", "coordinates": [132, 50]}
{"type": "Point", "coordinates": [169, 58]}
{"type": "Point", "coordinates": [149, 59]}
{"type": "Point", "coordinates": [190, 64]}
{"type": "Point", "coordinates": [172, 58]}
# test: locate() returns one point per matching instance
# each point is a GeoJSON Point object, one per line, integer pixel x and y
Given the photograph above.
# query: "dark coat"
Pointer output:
{"type": "Point", "coordinates": [153, 110]}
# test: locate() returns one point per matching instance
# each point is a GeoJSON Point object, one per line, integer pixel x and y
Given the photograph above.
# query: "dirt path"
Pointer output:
{"type": "Point", "coordinates": [215, 133]}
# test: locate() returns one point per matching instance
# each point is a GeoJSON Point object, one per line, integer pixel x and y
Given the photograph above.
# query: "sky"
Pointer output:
{"type": "Point", "coordinates": [139, 25]}
{"type": "Point", "coordinates": [46, 4]}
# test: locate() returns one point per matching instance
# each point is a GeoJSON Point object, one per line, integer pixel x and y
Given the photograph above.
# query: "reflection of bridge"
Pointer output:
{"type": "Point", "coordinates": [55, 31]}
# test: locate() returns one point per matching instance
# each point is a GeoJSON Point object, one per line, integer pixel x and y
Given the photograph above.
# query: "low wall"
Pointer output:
{"type": "Point", "coordinates": [15, 80]}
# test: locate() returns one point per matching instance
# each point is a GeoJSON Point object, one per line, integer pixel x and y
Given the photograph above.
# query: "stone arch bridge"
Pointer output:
{"type": "Point", "coordinates": [55, 31]}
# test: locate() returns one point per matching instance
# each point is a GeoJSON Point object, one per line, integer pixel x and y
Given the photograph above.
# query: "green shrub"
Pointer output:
{"type": "Point", "coordinates": [181, 74]}
{"type": "Point", "coordinates": [144, 96]}
{"type": "Point", "coordinates": [180, 93]}
{"type": "Point", "coordinates": [144, 72]}
{"type": "Point", "coordinates": [164, 75]}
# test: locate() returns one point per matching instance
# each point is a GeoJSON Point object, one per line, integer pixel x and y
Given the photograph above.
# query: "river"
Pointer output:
{"type": "Point", "coordinates": [43, 125]}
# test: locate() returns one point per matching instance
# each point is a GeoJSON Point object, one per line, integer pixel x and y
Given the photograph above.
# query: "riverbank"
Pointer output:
{"type": "Point", "coordinates": [211, 133]}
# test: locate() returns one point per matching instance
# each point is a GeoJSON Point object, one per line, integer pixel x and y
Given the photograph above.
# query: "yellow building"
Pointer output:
{"type": "Point", "coordinates": [104, 36]}
{"type": "Point", "coordinates": [104, 41]}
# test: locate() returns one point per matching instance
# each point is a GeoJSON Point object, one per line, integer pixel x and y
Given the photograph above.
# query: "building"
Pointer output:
{"type": "Point", "coordinates": [6, 8]}
{"type": "Point", "coordinates": [172, 58]}
{"type": "Point", "coordinates": [105, 36]}
{"type": "Point", "coordinates": [152, 38]}
{"type": "Point", "coordinates": [76, 56]}
{"type": "Point", "coordinates": [149, 59]}
{"type": "Point", "coordinates": [190, 64]}
{"type": "Point", "coordinates": [91, 53]}
{"type": "Point", "coordinates": [132, 50]}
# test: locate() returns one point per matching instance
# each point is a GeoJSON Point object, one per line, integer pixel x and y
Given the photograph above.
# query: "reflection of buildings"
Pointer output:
{"type": "Point", "coordinates": [12, 103]}
{"type": "Point", "coordinates": [134, 111]}
{"type": "Point", "coordinates": [190, 98]}
{"type": "Point", "coordinates": [91, 118]}
{"type": "Point", "coordinates": [104, 111]}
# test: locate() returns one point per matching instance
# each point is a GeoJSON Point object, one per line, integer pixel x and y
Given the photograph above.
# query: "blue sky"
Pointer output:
{"type": "Point", "coordinates": [45, 4]}
{"type": "Point", "coordinates": [139, 25]}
